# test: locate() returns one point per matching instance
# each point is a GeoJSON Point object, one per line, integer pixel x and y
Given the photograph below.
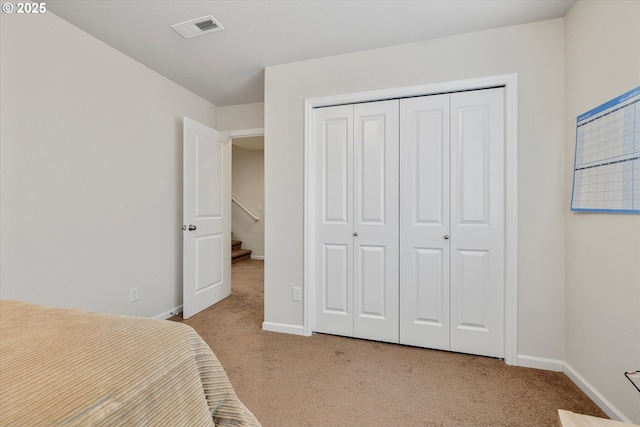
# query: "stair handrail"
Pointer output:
{"type": "Point", "coordinates": [255, 218]}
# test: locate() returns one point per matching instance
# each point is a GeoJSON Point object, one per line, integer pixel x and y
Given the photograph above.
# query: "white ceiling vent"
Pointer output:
{"type": "Point", "coordinates": [198, 27]}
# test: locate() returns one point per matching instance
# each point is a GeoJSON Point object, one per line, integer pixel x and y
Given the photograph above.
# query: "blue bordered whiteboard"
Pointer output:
{"type": "Point", "coordinates": [606, 173]}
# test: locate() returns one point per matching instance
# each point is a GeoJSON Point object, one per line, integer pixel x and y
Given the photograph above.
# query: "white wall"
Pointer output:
{"type": "Point", "coordinates": [536, 53]}
{"type": "Point", "coordinates": [241, 117]}
{"type": "Point", "coordinates": [248, 188]}
{"type": "Point", "coordinates": [603, 250]}
{"type": "Point", "coordinates": [91, 165]}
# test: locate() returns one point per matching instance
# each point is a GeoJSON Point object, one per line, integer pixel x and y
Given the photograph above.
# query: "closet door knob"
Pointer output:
{"type": "Point", "coordinates": [192, 227]}
{"type": "Point", "coordinates": [445, 237]}
{"type": "Point", "coordinates": [355, 234]}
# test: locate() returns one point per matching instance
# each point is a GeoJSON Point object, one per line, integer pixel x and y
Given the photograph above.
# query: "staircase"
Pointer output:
{"type": "Point", "coordinates": [237, 253]}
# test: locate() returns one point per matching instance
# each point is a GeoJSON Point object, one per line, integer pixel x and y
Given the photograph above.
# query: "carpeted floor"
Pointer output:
{"type": "Point", "coordinates": [288, 380]}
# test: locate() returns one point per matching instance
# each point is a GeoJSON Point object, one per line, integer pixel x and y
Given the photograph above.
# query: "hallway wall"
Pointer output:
{"type": "Point", "coordinates": [248, 188]}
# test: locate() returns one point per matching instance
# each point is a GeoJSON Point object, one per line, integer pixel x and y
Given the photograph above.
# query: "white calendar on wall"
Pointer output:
{"type": "Point", "coordinates": [606, 173]}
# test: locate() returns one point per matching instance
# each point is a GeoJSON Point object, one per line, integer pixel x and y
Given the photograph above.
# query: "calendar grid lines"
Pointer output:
{"type": "Point", "coordinates": [606, 176]}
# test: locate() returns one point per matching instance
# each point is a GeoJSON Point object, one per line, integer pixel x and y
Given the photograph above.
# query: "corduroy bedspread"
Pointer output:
{"type": "Point", "coordinates": [69, 367]}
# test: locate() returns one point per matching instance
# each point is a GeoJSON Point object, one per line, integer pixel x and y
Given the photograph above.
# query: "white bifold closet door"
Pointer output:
{"type": "Point", "coordinates": [452, 222]}
{"type": "Point", "coordinates": [356, 159]}
{"type": "Point", "coordinates": [424, 232]}
{"type": "Point", "coordinates": [408, 226]}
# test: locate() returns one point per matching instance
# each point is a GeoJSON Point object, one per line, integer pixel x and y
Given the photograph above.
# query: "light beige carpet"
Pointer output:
{"type": "Point", "coordinates": [323, 380]}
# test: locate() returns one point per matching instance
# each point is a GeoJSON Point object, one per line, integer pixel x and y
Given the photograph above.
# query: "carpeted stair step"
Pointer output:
{"type": "Point", "coordinates": [237, 253]}
{"type": "Point", "coordinates": [240, 255]}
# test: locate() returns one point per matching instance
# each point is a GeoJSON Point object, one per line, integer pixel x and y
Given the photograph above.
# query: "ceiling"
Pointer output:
{"type": "Point", "coordinates": [227, 67]}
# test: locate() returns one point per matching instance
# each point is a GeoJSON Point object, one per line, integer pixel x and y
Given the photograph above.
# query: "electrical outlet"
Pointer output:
{"type": "Point", "coordinates": [133, 294]}
{"type": "Point", "coordinates": [297, 293]}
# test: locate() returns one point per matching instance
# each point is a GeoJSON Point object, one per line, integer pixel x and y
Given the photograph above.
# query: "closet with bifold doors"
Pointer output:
{"type": "Point", "coordinates": [408, 230]}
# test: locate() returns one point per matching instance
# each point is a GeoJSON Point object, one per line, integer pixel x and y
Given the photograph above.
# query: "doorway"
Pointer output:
{"type": "Point", "coordinates": [247, 192]}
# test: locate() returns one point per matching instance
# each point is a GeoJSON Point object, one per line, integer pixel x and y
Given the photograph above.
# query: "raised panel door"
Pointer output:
{"type": "Point", "coordinates": [424, 222]}
{"type": "Point", "coordinates": [206, 216]}
{"type": "Point", "coordinates": [477, 222]}
{"type": "Point", "coordinates": [376, 211]}
{"type": "Point", "coordinates": [333, 205]}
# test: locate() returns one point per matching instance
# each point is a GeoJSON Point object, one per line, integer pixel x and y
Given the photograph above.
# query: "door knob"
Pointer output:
{"type": "Point", "coordinates": [192, 227]}
{"type": "Point", "coordinates": [355, 234]}
{"type": "Point", "coordinates": [445, 237]}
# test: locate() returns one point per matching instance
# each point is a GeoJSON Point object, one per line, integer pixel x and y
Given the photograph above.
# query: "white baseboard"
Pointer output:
{"type": "Point", "coordinates": [588, 389]}
{"type": "Point", "coordinates": [168, 314]}
{"type": "Point", "coordinates": [283, 327]}
{"type": "Point", "coordinates": [258, 257]}
{"type": "Point", "coordinates": [594, 395]}
{"type": "Point", "coordinates": [540, 363]}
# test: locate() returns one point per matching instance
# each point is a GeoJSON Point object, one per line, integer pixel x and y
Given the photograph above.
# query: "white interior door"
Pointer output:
{"type": "Point", "coordinates": [356, 227]}
{"type": "Point", "coordinates": [424, 222]}
{"type": "Point", "coordinates": [477, 222]}
{"type": "Point", "coordinates": [424, 176]}
{"type": "Point", "coordinates": [376, 210]}
{"type": "Point", "coordinates": [333, 212]}
{"type": "Point", "coordinates": [206, 217]}
{"type": "Point", "coordinates": [452, 224]}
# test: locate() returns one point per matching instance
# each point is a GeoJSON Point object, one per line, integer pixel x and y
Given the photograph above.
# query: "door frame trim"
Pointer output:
{"type": "Point", "coordinates": [510, 83]}
{"type": "Point", "coordinates": [244, 133]}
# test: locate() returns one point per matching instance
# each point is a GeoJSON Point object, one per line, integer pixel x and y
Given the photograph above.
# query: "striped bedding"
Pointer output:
{"type": "Point", "coordinates": [68, 367]}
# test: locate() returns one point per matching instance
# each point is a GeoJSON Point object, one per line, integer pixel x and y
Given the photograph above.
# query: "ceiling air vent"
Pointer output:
{"type": "Point", "coordinates": [198, 27]}
{"type": "Point", "coordinates": [206, 25]}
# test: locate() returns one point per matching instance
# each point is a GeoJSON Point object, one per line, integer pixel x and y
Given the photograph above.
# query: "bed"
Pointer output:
{"type": "Point", "coordinates": [69, 367]}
